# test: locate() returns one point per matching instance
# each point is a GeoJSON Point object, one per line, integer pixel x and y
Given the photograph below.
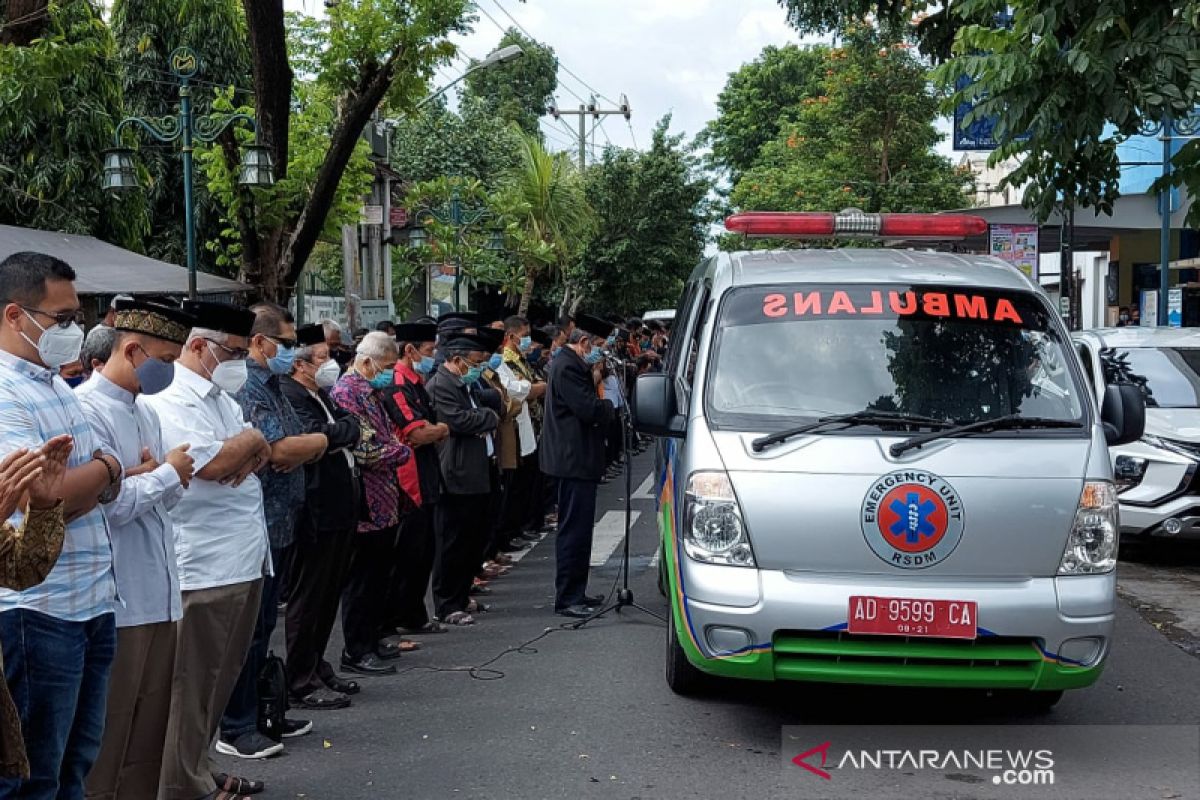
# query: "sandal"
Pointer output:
{"type": "Point", "coordinates": [476, 607]}
{"type": "Point", "coordinates": [320, 700]}
{"type": "Point", "coordinates": [459, 618]}
{"type": "Point", "coordinates": [433, 626]}
{"type": "Point", "coordinates": [339, 684]}
{"type": "Point", "coordinates": [503, 559]}
{"type": "Point", "coordinates": [233, 786]}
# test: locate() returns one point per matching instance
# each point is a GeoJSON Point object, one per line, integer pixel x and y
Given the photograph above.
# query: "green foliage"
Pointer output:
{"type": "Point", "coordinates": [865, 140]}
{"type": "Point", "coordinates": [518, 90]}
{"type": "Point", "coordinates": [757, 100]}
{"type": "Point", "coordinates": [60, 99]}
{"type": "Point", "coordinates": [475, 144]}
{"type": "Point", "coordinates": [1062, 73]}
{"type": "Point", "coordinates": [652, 222]}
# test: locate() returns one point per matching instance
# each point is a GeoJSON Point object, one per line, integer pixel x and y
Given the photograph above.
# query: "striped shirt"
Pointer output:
{"type": "Point", "coordinates": [35, 406]}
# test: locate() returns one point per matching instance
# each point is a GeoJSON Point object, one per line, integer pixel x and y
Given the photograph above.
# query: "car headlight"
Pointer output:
{"type": "Point", "coordinates": [1092, 546]}
{"type": "Point", "coordinates": [1128, 472]}
{"type": "Point", "coordinates": [713, 528]}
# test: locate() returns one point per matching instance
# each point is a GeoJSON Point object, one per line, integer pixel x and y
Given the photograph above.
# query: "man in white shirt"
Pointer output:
{"type": "Point", "coordinates": [522, 384]}
{"type": "Point", "coordinates": [221, 539]}
{"type": "Point", "coordinates": [148, 340]}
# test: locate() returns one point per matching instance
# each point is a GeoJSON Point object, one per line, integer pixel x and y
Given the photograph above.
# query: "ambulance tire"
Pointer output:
{"type": "Point", "coordinates": [683, 678]}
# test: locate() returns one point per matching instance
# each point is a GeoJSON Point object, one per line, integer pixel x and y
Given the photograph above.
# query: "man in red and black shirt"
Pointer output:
{"type": "Point", "coordinates": [410, 407]}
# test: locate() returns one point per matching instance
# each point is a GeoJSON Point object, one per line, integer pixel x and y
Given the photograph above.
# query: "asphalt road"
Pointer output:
{"type": "Point", "coordinates": [586, 713]}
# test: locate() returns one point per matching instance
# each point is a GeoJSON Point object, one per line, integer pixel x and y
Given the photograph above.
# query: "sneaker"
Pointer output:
{"type": "Point", "coordinates": [296, 727]}
{"type": "Point", "coordinates": [250, 745]}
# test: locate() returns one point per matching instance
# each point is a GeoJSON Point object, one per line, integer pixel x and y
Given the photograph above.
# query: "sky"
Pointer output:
{"type": "Point", "coordinates": [666, 56]}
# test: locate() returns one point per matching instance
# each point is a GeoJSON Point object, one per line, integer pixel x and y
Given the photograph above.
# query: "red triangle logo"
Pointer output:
{"type": "Point", "coordinates": [802, 760]}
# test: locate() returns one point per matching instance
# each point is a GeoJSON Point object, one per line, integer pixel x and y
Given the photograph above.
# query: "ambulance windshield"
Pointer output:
{"type": "Point", "coordinates": [787, 354]}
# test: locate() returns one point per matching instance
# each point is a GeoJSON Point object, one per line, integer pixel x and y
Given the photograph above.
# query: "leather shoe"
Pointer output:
{"type": "Point", "coordinates": [578, 612]}
{"type": "Point", "coordinates": [593, 600]}
{"type": "Point", "coordinates": [370, 664]}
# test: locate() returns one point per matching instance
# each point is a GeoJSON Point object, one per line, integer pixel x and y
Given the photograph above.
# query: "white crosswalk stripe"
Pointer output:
{"type": "Point", "coordinates": [654, 558]}
{"type": "Point", "coordinates": [644, 492]}
{"type": "Point", "coordinates": [608, 534]}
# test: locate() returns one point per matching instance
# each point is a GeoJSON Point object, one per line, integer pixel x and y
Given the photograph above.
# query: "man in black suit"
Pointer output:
{"type": "Point", "coordinates": [572, 451]}
{"type": "Point", "coordinates": [324, 529]}
{"type": "Point", "coordinates": [467, 459]}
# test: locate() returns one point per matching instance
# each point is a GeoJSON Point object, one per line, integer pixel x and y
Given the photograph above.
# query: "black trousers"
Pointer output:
{"type": "Point", "coordinates": [462, 527]}
{"type": "Point", "coordinates": [573, 544]}
{"type": "Point", "coordinates": [366, 590]}
{"type": "Point", "coordinates": [614, 441]}
{"type": "Point", "coordinates": [412, 565]}
{"type": "Point", "coordinates": [534, 516]}
{"type": "Point", "coordinates": [320, 561]}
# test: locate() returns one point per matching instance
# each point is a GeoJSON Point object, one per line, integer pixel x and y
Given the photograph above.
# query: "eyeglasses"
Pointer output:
{"type": "Point", "coordinates": [62, 319]}
{"type": "Point", "coordinates": [290, 344]}
{"type": "Point", "coordinates": [235, 354]}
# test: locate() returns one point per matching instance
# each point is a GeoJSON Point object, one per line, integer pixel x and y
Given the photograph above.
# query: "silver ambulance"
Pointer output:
{"type": "Point", "coordinates": [882, 466]}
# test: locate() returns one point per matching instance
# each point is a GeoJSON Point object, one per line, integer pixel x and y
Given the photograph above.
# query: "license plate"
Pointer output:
{"type": "Point", "coordinates": [902, 616]}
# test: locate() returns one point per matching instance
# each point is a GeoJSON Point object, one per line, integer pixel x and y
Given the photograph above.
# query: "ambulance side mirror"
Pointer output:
{"type": "Point", "coordinates": [655, 411]}
{"type": "Point", "coordinates": [1123, 414]}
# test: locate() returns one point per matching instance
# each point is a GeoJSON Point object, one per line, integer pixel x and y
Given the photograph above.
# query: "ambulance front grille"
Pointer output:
{"type": "Point", "coordinates": [839, 657]}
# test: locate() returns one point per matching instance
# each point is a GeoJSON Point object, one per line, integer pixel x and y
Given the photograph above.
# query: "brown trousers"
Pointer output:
{"type": "Point", "coordinates": [135, 725]}
{"type": "Point", "coordinates": [214, 636]}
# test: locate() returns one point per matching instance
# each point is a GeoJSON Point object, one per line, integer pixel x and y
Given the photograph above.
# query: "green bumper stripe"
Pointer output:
{"type": "Point", "coordinates": [907, 674]}
{"type": "Point", "coordinates": [899, 648]}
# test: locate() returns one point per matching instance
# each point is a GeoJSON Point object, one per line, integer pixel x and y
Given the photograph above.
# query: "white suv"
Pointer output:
{"type": "Point", "coordinates": [1158, 477]}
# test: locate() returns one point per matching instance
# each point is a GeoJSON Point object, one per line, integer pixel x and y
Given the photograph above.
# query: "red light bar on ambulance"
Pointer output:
{"type": "Point", "coordinates": [854, 223]}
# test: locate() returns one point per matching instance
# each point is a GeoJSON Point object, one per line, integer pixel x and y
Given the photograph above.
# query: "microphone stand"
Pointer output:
{"type": "Point", "coordinates": [624, 597]}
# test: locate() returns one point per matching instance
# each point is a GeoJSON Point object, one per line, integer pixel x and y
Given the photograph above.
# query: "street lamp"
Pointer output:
{"type": "Point", "coordinates": [501, 56]}
{"type": "Point", "coordinates": [461, 219]}
{"type": "Point", "coordinates": [257, 168]}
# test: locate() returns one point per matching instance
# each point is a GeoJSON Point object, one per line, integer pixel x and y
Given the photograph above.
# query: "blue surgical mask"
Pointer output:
{"type": "Point", "coordinates": [424, 366]}
{"type": "Point", "coordinates": [383, 379]}
{"type": "Point", "coordinates": [75, 381]}
{"type": "Point", "coordinates": [612, 339]}
{"type": "Point", "coordinates": [525, 343]}
{"type": "Point", "coordinates": [472, 375]}
{"type": "Point", "coordinates": [593, 357]}
{"type": "Point", "coordinates": [155, 375]}
{"type": "Point", "coordinates": [281, 363]}
{"type": "Point", "coordinates": [494, 362]}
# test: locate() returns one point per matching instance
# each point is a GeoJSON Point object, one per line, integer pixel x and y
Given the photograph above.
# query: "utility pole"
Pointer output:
{"type": "Point", "coordinates": [591, 109]}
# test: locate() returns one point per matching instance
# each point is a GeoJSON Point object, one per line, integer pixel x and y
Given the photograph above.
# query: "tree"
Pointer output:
{"type": "Point", "coordinates": [60, 100]}
{"type": "Point", "coordinates": [553, 220]}
{"type": "Point", "coordinates": [652, 224]}
{"type": "Point", "coordinates": [369, 53]}
{"type": "Point", "coordinates": [519, 90]}
{"type": "Point", "coordinates": [474, 143]}
{"type": "Point", "coordinates": [757, 101]}
{"type": "Point", "coordinates": [146, 32]}
{"type": "Point", "coordinates": [866, 141]}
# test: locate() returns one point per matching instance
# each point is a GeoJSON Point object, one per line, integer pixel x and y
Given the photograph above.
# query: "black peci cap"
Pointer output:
{"type": "Point", "coordinates": [495, 336]}
{"type": "Point", "coordinates": [221, 317]}
{"type": "Point", "coordinates": [416, 332]}
{"type": "Point", "coordinates": [457, 320]}
{"type": "Point", "coordinates": [594, 325]}
{"type": "Point", "coordinates": [161, 321]}
{"type": "Point", "coordinates": [540, 337]}
{"type": "Point", "coordinates": [469, 341]}
{"type": "Point", "coordinates": [309, 335]}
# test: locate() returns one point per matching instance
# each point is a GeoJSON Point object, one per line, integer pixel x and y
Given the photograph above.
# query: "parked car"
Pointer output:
{"type": "Point", "coordinates": [1158, 476]}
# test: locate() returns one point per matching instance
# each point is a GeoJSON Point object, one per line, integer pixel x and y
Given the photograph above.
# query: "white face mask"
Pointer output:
{"type": "Point", "coordinates": [57, 346]}
{"type": "Point", "coordinates": [327, 374]}
{"type": "Point", "coordinates": [229, 376]}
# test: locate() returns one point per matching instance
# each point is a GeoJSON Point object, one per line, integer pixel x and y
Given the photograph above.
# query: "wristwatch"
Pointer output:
{"type": "Point", "coordinates": [114, 477]}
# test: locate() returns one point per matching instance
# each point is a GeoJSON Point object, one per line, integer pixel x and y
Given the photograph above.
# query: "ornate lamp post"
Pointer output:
{"type": "Point", "coordinates": [462, 220]}
{"type": "Point", "coordinates": [257, 168]}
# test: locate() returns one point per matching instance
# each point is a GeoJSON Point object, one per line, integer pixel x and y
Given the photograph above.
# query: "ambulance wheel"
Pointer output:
{"type": "Point", "coordinates": [683, 678]}
{"type": "Point", "coordinates": [662, 577]}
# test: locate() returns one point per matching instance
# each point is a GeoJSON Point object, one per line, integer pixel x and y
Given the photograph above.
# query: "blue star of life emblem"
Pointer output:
{"type": "Point", "coordinates": [914, 518]}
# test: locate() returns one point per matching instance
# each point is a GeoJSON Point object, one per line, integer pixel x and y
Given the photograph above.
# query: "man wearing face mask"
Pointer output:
{"type": "Point", "coordinates": [149, 338]}
{"type": "Point", "coordinates": [461, 518]}
{"type": "Point", "coordinates": [58, 638]}
{"type": "Point", "coordinates": [572, 451]}
{"type": "Point", "coordinates": [321, 554]}
{"type": "Point", "coordinates": [221, 538]}
{"type": "Point", "coordinates": [272, 354]}
{"type": "Point", "coordinates": [409, 405]}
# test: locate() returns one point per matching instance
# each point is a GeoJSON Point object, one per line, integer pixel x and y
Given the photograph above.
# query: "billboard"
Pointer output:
{"type": "Point", "coordinates": [1016, 244]}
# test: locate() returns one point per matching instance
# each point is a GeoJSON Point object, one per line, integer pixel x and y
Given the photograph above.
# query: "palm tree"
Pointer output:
{"type": "Point", "coordinates": [553, 218]}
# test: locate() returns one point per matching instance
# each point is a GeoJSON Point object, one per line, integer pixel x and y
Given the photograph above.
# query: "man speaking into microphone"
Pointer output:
{"type": "Point", "coordinates": [572, 451]}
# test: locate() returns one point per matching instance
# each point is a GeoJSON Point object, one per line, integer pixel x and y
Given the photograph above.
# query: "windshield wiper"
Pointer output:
{"type": "Point", "coordinates": [864, 417]}
{"type": "Point", "coordinates": [1011, 422]}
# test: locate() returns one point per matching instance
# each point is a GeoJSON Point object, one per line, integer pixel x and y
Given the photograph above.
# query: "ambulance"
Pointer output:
{"type": "Point", "coordinates": [882, 466]}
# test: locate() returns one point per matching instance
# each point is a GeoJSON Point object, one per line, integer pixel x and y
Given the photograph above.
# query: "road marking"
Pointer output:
{"type": "Point", "coordinates": [644, 491]}
{"type": "Point", "coordinates": [517, 556]}
{"type": "Point", "coordinates": [654, 558]}
{"type": "Point", "coordinates": [608, 534]}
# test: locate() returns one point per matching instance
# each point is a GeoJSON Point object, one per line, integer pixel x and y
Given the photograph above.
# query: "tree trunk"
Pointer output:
{"type": "Point", "coordinates": [272, 77]}
{"type": "Point", "coordinates": [24, 21]}
{"type": "Point", "coordinates": [527, 292]}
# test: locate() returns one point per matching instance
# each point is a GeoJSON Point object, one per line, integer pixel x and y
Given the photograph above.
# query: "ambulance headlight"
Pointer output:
{"type": "Point", "coordinates": [713, 529]}
{"type": "Point", "coordinates": [1092, 546]}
